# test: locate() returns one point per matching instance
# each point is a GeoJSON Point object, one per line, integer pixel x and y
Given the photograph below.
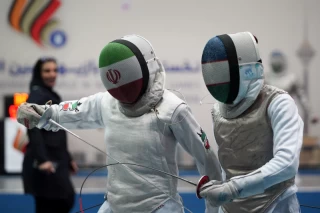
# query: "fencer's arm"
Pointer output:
{"type": "Point", "coordinates": [188, 133]}
{"type": "Point", "coordinates": [77, 114]}
{"type": "Point", "coordinates": [287, 128]}
{"type": "Point", "coordinates": [287, 141]}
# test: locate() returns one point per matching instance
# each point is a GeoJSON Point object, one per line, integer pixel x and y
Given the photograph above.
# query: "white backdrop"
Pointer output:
{"type": "Point", "coordinates": [177, 29]}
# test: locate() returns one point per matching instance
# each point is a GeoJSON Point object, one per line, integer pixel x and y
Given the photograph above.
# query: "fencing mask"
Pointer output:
{"type": "Point", "coordinates": [278, 62]}
{"type": "Point", "coordinates": [124, 68]}
{"type": "Point", "coordinates": [232, 71]}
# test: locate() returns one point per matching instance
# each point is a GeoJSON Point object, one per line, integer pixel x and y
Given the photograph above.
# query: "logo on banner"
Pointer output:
{"type": "Point", "coordinates": [185, 67]}
{"type": "Point", "coordinates": [35, 20]}
{"type": "Point", "coordinates": [113, 76]}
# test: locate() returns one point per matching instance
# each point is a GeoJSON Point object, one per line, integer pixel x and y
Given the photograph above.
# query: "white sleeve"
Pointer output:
{"type": "Point", "coordinates": [287, 128]}
{"type": "Point", "coordinates": [189, 134]}
{"type": "Point", "coordinates": [77, 114]}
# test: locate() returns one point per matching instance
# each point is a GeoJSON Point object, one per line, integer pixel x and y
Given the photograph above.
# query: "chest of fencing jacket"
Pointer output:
{"type": "Point", "coordinates": [144, 140]}
{"type": "Point", "coordinates": [246, 144]}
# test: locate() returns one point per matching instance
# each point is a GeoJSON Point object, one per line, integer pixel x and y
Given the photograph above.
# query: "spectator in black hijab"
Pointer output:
{"type": "Point", "coordinates": [47, 163]}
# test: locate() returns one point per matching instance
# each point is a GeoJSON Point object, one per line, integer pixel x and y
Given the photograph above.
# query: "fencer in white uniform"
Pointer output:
{"type": "Point", "coordinates": [143, 123]}
{"type": "Point", "coordinates": [257, 128]}
{"type": "Point", "coordinates": [279, 76]}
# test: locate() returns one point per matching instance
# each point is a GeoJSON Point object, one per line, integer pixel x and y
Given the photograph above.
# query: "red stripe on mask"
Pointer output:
{"type": "Point", "coordinates": [128, 93]}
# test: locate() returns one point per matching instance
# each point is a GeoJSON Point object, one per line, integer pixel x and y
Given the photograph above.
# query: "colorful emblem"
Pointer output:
{"type": "Point", "coordinates": [204, 138]}
{"type": "Point", "coordinates": [113, 76]}
{"type": "Point", "coordinates": [71, 106]}
{"type": "Point", "coordinates": [35, 19]}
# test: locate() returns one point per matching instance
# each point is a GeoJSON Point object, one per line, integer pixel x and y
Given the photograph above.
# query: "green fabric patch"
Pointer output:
{"type": "Point", "coordinates": [113, 53]}
{"type": "Point", "coordinates": [220, 92]}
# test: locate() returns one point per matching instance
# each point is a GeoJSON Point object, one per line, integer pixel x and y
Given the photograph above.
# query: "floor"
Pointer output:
{"type": "Point", "coordinates": [97, 183]}
{"type": "Point", "coordinates": [12, 199]}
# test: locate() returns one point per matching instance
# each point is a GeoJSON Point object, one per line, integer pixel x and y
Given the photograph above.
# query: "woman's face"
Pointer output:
{"type": "Point", "coordinates": [49, 73]}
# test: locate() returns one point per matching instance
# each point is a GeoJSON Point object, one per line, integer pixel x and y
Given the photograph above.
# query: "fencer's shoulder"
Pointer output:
{"type": "Point", "coordinates": [106, 99]}
{"type": "Point", "coordinates": [168, 104]}
{"type": "Point", "coordinates": [270, 94]}
{"type": "Point", "coordinates": [282, 99]}
{"type": "Point", "coordinates": [282, 104]}
{"type": "Point", "coordinates": [171, 98]}
{"type": "Point", "coordinates": [269, 89]}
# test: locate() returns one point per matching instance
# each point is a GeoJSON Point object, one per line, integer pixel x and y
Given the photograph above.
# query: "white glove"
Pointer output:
{"type": "Point", "coordinates": [219, 193]}
{"type": "Point", "coordinates": [30, 115]}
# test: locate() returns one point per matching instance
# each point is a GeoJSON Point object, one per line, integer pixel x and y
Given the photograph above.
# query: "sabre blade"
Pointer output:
{"type": "Point", "coordinates": [62, 127]}
{"type": "Point", "coordinates": [180, 178]}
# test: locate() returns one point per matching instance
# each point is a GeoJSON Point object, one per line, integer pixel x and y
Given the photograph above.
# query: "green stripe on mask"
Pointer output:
{"type": "Point", "coordinates": [113, 53]}
{"type": "Point", "coordinates": [220, 92]}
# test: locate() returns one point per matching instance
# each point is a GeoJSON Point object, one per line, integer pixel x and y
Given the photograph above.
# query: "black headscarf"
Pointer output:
{"type": "Point", "coordinates": [39, 92]}
{"type": "Point", "coordinates": [36, 73]}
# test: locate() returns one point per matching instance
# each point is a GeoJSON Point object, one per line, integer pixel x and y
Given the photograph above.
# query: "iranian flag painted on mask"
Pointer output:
{"type": "Point", "coordinates": [121, 72]}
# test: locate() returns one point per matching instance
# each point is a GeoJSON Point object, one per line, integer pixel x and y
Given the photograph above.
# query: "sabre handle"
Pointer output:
{"type": "Point", "coordinates": [203, 180]}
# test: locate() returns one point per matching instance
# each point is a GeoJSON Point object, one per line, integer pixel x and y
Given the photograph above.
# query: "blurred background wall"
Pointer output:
{"type": "Point", "coordinates": [77, 30]}
{"type": "Point", "coordinates": [177, 29]}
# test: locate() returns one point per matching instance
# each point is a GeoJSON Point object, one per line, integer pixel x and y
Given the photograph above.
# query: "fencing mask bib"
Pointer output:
{"type": "Point", "coordinates": [124, 68]}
